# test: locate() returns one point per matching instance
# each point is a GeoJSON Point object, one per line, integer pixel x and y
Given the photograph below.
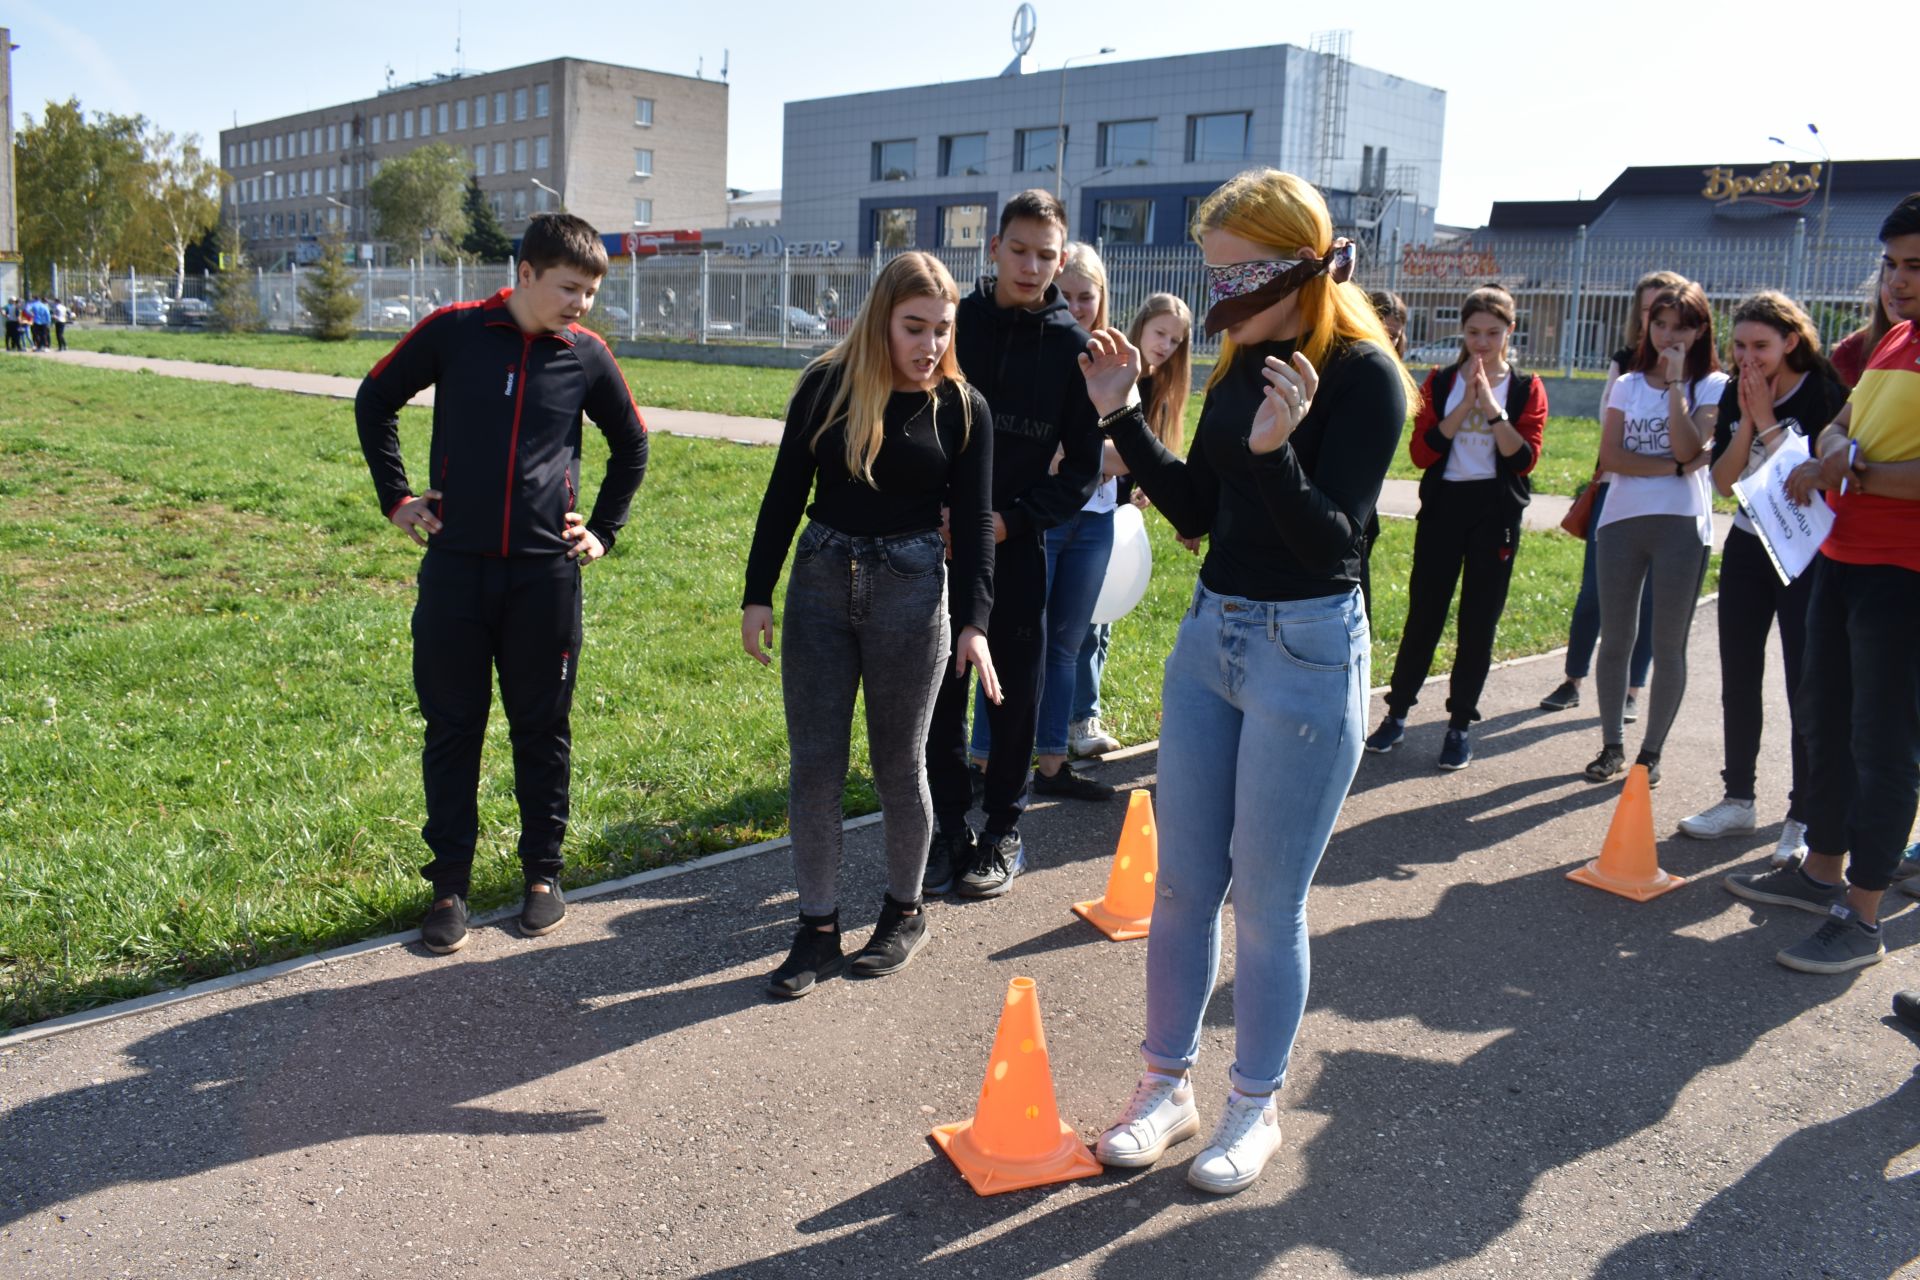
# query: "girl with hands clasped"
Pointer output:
{"type": "Point", "coordinates": [1476, 438]}
{"type": "Point", "coordinates": [1785, 389]}
{"type": "Point", "coordinates": [1265, 692]}
{"type": "Point", "coordinates": [1658, 521]}
{"type": "Point", "coordinates": [884, 433]}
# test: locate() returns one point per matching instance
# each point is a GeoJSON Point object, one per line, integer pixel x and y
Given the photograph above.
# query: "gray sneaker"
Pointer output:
{"type": "Point", "coordinates": [1839, 945]}
{"type": "Point", "coordinates": [1786, 887]}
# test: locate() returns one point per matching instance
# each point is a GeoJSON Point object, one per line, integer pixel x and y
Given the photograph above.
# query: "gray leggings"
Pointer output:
{"type": "Point", "coordinates": [1666, 550]}
{"type": "Point", "coordinates": [869, 611]}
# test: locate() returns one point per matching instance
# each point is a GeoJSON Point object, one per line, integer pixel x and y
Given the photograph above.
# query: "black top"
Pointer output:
{"type": "Point", "coordinates": [924, 464]}
{"type": "Point", "coordinates": [1027, 365]}
{"type": "Point", "coordinates": [505, 452]}
{"type": "Point", "coordinates": [1623, 361]}
{"type": "Point", "coordinates": [1288, 525]}
{"type": "Point", "coordinates": [1810, 407]}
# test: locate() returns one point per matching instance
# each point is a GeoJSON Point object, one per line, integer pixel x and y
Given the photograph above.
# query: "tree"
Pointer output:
{"type": "Point", "coordinates": [418, 199]}
{"type": "Point", "coordinates": [236, 302]}
{"type": "Point", "coordinates": [182, 198]}
{"type": "Point", "coordinates": [79, 185]}
{"type": "Point", "coordinates": [327, 292]}
{"type": "Point", "coordinates": [485, 240]}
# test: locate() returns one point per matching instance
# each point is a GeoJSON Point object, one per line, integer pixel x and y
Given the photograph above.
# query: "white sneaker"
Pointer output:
{"type": "Point", "coordinates": [1090, 738]}
{"type": "Point", "coordinates": [1160, 1113]}
{"type": "Point", "coordinates": [1793, 843]}
{"type": "Point", "coordinates": [1243, 1142]}
{"type": "Point", "coordinates": [1728, 818]}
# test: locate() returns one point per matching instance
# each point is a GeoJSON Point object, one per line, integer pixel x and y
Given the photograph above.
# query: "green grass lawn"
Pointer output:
{"type": "Point", "coordinates": [208, 739]}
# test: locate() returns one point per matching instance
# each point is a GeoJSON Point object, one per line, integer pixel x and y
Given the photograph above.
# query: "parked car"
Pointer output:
{"type": "Point", "coordinates": [145, 309]}
{"type": "Point", "coordinates": [614, 319]}
{"type": "Point", "coordinates": [189, 313]}
{"type": "Point", "coordinates": [801, 323]}
{"type": "Point", "coordinates": [393, 311]}
{"type": "Point", "coordinates": [1432, 353]}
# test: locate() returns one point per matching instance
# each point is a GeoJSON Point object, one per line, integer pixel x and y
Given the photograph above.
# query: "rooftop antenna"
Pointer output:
{"type": "Point", "coordinates": [389, 75]}
{"type": "Point", "coordinates": [726, 56]}
{"type": "Point", "coordinates": [700, 68]}
{"type": "Point", "coordinates": [459, 65]}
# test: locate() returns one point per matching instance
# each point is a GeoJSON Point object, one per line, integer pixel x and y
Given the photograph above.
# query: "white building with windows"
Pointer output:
{"type": "Point", "coordinates": [625, 148]}
{"type": "Point", "coordinates": [1131, 147]}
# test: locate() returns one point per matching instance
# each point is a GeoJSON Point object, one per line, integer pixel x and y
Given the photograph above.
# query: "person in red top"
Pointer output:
{"type": "Point", "coordinates": [1851, 352]}
{"type": "Point", "coordinates": [1476, 435]}
{"type": "Point", "coordinates": [1859, 695]}
{"type": "Point", "coordinates": [500, 583]}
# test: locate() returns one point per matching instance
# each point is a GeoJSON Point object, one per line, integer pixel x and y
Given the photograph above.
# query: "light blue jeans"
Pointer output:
{"type": "Point", "coordinates": [1088, 670]}
{"type": "Point", "coordinates": [1263, 711]}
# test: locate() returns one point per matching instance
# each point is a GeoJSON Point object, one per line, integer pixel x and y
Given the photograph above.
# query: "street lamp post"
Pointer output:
{"type": "Point", "coordinates": [1826, 182]}
{"type": "Point", "coordinates": [550, 191]}
{"type": "Point", "coordinates": [1060, 127]}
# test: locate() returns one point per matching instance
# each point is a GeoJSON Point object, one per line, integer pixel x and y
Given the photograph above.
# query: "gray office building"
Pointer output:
{"type": "Point", "coordinates": [1131, 147]}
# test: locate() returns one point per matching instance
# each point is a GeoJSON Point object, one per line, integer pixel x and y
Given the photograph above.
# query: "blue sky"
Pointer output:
{"type": "Point", "coordinates": [1544, 102]}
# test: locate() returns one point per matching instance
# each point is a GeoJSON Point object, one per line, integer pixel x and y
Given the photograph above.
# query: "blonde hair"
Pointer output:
{"type": "Point", "coordinates": [1082, 259]}
{"type": "Point", "coordinates": [864, 361]}
{"type": "Point", "coordinates": [1285, 212]}
{"type": "Point", "coordinates": [1166, 408]}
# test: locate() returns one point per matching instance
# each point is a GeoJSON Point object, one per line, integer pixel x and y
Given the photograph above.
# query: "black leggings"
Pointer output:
{"type": "Point", "coordinates": [1476, 550]}
{"type": "Point", "coordinates": [1751, 598]}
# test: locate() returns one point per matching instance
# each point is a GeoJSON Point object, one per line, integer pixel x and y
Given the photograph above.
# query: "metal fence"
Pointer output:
{"type": "Point", "coordinates": [1573, 292]}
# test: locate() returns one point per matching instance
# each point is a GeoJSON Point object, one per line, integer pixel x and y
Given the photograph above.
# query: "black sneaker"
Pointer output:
{"type": "Point", "coordinates": [1786, 886]}
{"type": "Point", "coordinates": [1906, 1007]}
{"type": "Point", "coordinates": [1384, 739]}
{"type": "Point", "coordinates": [444, 931]}
{"type": "Point", "coordinates": [1000, 860]}
{"type": "Point", "coordinates": [1456, 752]}
{"type": "Point", "coordinates": [901, 931]}
{"type": "Point", "coordinates": [1070, 785]}
{"type": "Point", "coordinates": [944, 853]}
{"type": "Point", "coordinates": [1565, 698]}
{"type": "Point", "coordinates": [1842, 944]}
{"type": "Point", "coordinates": [542, 913]}
{"type": "Point", "coordinates": [1608, 765]}
{"type": "Point", "coordinates": [1651, 759]}
{"type": "Point", "coordinates": [815, 957]}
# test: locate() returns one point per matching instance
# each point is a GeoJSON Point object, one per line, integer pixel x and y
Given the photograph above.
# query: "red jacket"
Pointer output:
{"type": "Point", "coordinates": [1526, 409]}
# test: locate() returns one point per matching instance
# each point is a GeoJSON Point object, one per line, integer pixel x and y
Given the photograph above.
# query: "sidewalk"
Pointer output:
{"type": "Point", "coordinates": [1501, 1073]}
{"type": "Point", "coordinates": [1397, 497]}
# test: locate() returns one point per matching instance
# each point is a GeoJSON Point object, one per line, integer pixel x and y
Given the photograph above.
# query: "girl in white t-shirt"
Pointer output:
{"type": "Point", "coordinates": [1655, 441]}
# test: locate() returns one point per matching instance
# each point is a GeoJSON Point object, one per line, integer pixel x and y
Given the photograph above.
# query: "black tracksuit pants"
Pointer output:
{"type": "Point", "coordinates": [475, 615]}
{"type": "Point", "coordinates": [1472, 544]}
{"type": "Point", "coordinates": [1751, 597]}
{"type": "Point", "coordinates": [1017, 632]}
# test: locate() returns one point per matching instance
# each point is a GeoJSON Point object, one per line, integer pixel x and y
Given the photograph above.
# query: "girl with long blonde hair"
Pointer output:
{"type": "Point", "coordinates": [883, 432]}
{"type": "Point", "coordinates": [1265, 692]}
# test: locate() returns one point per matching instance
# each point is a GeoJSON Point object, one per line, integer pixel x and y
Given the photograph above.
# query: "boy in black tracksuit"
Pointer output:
{"type": "Point", "coordinates": [1017, 345]}
{"type": "Point", "coordinates": [500, 583]}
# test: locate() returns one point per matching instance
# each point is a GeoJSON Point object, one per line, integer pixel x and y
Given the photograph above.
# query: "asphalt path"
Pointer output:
{"type": "Point", "coordinates": [1501, 1073]}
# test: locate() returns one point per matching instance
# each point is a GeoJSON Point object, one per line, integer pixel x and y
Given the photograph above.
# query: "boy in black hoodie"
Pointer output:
{"type": "Point", "coordinates": [500, 583]}
{"type": "Point", "coordinates": [1018, 345]}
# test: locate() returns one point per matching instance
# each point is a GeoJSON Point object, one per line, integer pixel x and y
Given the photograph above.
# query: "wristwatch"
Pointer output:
{"type": "Point", "coordinates": [1496, 420]}
{"type": "Point", "coordinates": [1679, 467]}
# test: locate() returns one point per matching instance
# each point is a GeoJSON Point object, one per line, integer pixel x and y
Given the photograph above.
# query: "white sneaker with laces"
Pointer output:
{"type": "Point", "coordinates": [1793, 843]}
{"type": "Point", "coordinates": [1090, 738]}
{"type": "Point", "coordinates": [1728, 818]}
{"type": "Point", "coordinates": [1160, 1113]}
{"type": "Point", "coordinates": [1245, 1139]}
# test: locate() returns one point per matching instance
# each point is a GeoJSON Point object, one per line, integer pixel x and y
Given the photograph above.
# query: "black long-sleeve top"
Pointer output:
{"type": "Point", "coordinates": [1287, 525]}
{"type": "Point", "coordinates": [505, 452]}
{"type": "Point", "coordinates": [929, 458]}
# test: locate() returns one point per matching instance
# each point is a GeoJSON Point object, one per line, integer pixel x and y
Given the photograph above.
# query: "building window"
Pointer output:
{"type": "Point", "coordinates": [540, 101]}
{"type": "Point", "coordinates": [316, 139]}
{"type": "Point", "coordinates": [1126, 221]}
{"type": "Point", "coordinates": [498, 204]}
{"type": "Point", "coordinates": [276, 146]}
{"type": "Point", "coordinates": [1126, 142]}
{"type": "Point", "coordinates": [540, 145]}
{"type": "Point", "coordinates": [460, 114]}
{"type": "Point", "coordinates": [539, 199]}
{"type": "Point", "coordinates": [333, 137]}
{"type": "Point", "coordinates": [500, 107]}
{"type": "Point", "coordinates": [480, 160]}
{"type": "Point", "coordinates": [406, 124]}
{"type": "Point", "coordinates": [426, 122]}
{"type": "Point", "coordinates": [643, 212]}
{"type": "Point", "coordinates": [643, 111]}
{"type": "Point", "coordinates": [520, 205]}
{"type": "Point", "coordinates": [519, 104]}
{"type": "Point", "coordinates": [479, 110]}
{"type": "Point", "coordinates": [893, 161]}
{"type": "Point", "coordinates": [306, 182]}
{"type": "Point", "coordinates": [393, 126]}
{"type": "Point", "coordinates": [1038, 150]}
{"type": "Point", "coordinates": [895, 228]}
{"type": "Point", "coordinates": [963, 154]}
{"type": "Point", "coordinates": [300, 140]}
{"type": "Point", "coordinates": [440, 117]}
{"type": "Point", "coordinates": [499, 157]}
{"type": "Point", "coordinates": [519, 155]}
{"type": "Point", "coordinates": [1217, 138]}
{"type": "Point", "coordinates": [333, 181]}
{"type": "Point", "coordinates": [963, 226]}
{"type": "Point", "coordinates": [642, 163]}
{"type": "Point", "coordinates": [376, 130]}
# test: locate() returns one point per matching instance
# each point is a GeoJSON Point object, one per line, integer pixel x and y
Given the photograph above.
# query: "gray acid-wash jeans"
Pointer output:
{"type": "Point", "coordinates": [869, 611]}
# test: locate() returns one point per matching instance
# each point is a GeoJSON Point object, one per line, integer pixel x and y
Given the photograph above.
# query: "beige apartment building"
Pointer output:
{"type": "Point", "coordinates": [624, 148]}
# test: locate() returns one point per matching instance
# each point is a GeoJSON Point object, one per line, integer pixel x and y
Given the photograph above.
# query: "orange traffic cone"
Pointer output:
{"type": "Point", "coordinates": [1016, 1138]}
{"type": "Point", "coordinates": [1628, 863]}
{"type": "Point", "coordinates": [1127, 910]}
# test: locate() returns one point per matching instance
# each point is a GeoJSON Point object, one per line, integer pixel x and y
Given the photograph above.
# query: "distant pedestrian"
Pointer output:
{"type": "Point", "coordinates": [1476, 438]}
{"type": "Point", "coordinates": [13, 324]}
{"type": "Point", "coordinates": [42, 324]}
{"type": "Point", "coordinates": [62, 314]}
